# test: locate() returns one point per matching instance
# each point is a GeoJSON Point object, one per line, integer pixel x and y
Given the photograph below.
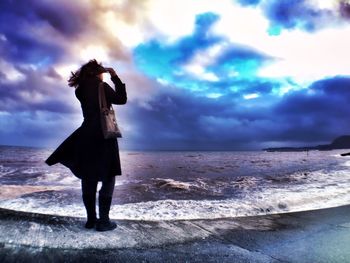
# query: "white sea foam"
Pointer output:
{"type": "Point", "coordinates": [6, 170]}
{"type": "Point", "coordinates": [280, 202]}
{"type": "Point", "coordinates": [327, 190]}
{"type": "Point", "coordinates": [56, 178]}
{"type": "Point", "coordinates": [31, 170]}
{"type": "Point", "coordinates": [346, 163]}
{"type": "Point", "coordinates": [69, 180]}
{"type": "Point", "coordinates": [171, 183]}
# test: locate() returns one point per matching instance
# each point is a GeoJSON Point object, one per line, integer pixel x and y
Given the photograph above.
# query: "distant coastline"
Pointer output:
{"type": "Point", "coordinates": [341, 142]}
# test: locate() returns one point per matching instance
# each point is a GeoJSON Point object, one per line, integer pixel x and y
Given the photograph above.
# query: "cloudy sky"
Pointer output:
{"type": "Point", "coordinates": [200, 74]}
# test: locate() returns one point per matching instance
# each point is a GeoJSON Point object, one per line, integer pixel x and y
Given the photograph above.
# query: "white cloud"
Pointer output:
{"type": "Point", "coordinates": [11, 73]}
{"type": "Point", "coordinates": [64, 70]}
{"type": "Point", "coordinates": [308, 56]}
{"type": "Point", "coordinates": [3, 38]}
{"type": "Point", "coordinates": [210, 76]}
{"type": "Point", "coordinates": [214, 95]}
{"type": "Point", "coordinates": [200, 72]}
{"type": "Point", "coordinates": [163, 82]}
{"type": "Point", "coordinates": [303, 56]}
{"type": "Point", "coordinates": [325, 4]}
{"type": "Point", "coordinates": [202, 59]}
{"type": "Point", "coordinates": [94, 51]}
{"type": "Point", "coordinates": [129, 34]}
{"type": "Point", "coordinates": [175, 19]}
{"type": "Point", "coordinates": [251, 96]}
{"type": "Point", "coordinates": [243, 25]}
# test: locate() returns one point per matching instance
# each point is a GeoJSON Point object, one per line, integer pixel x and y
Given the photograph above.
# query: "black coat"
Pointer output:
{"type": "Point", "coordinates": [85, 152]}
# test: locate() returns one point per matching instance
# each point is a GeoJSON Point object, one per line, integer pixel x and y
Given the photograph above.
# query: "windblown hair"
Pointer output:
{"type": "Point", "coordinates": [92, 68]}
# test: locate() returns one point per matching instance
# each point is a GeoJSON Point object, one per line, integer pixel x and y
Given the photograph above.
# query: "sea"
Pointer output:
{"type": "Point", "coordinates": [182, 185]}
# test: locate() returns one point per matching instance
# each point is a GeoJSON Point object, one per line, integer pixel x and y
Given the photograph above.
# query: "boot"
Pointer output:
{"type": "Point", "coordinates": [90, 206]}
{"type": "Point", "coordinates": [104, 223]}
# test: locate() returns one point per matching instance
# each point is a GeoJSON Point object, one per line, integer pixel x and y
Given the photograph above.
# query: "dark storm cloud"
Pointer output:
{"type": "Point", "coordinates": [240, 52]}
{"type": "Point", "coordinates": [34, 128]}
{"type": "Point", "coordinates": [301, 14]}
{"type": "Point", "coordinates": [318, 113]}
{"type": "Point", "coordinates": [304, 14]}
{"type": "Point", "coordinates": [20, 47]}
{"type": "Point", "coordinates": [178, 120]}
{"type": "Point", "coordinates": [36, 90]}
{"type": "Point", "coordinates": [46, 32]}
{"type": "Point", "coordinates": [67, 17]}
{"type": "Point", "coordinates": [241, 59]}
{"type": "Point", "coordinates": [296, 14]}
{"type": "Point", "coordinates": [31, 30]}
{"type": "Point", "coordinates": [259, 86]}
{"type": "Point", "coordinates": [34, 108]}
{"type": "Point", "coordinates": [345, 9]}
{"type": "Point", "coordinates": [237, 88]}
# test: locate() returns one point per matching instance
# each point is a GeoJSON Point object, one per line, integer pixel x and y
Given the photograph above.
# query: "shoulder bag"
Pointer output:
{"type": "Point", "coordinates": [109, 124]}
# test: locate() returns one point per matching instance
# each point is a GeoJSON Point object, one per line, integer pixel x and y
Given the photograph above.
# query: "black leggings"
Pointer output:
{"type": "Point", "coordinates": [90, 187]}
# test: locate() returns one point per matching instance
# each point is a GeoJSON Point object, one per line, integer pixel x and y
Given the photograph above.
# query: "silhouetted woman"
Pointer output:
{"type": "Point", "coordinates": [85, 152]}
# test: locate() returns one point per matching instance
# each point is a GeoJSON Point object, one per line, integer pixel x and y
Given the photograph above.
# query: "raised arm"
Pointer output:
{"type": "Point", "coordinates": [117, 96]}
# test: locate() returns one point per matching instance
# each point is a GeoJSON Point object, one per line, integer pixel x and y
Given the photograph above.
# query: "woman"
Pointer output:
{"type": "Point", "coordinates": [85, 152]}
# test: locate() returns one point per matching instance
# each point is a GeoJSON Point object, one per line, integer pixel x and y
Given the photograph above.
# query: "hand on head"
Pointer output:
{"type": "Point", "coordinates": [111, 71]}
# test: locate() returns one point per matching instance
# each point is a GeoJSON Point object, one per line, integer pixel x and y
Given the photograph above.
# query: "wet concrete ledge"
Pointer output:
{"type": "Point", "coordinates": [311, 236]}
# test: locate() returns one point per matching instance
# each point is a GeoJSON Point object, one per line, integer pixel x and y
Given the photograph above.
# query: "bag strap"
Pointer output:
{"type": "Point", "coordinates": [101, 96]}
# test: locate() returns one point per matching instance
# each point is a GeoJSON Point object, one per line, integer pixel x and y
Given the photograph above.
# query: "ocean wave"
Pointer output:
{"type": "Point", "coordinates": [335, 191]}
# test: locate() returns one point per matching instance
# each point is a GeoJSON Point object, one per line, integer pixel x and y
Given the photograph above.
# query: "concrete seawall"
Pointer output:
{"type": "Point", "coordinates": [311, 236]}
